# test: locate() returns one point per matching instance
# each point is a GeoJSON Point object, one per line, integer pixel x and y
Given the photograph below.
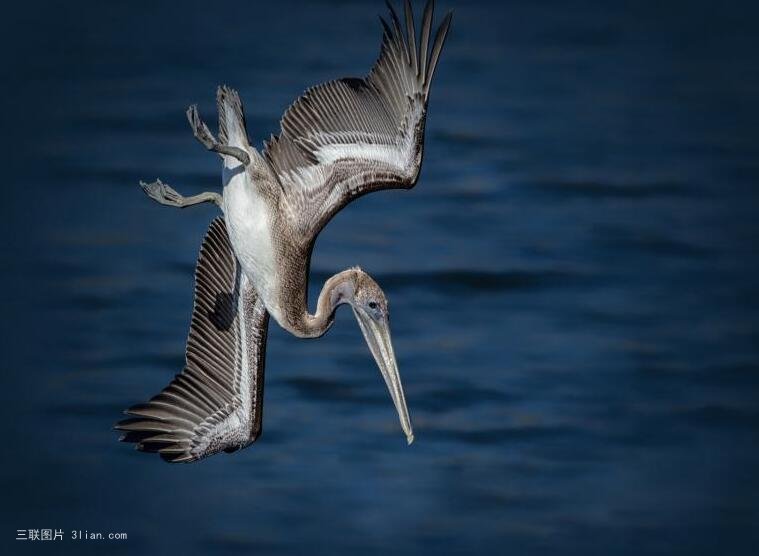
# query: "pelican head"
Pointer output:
{"type": "Point", "coordinates": [369, 303]}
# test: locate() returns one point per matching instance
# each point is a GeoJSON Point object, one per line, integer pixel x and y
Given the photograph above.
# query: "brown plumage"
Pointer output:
{"type": "Point", "coordinates": [338, 141]}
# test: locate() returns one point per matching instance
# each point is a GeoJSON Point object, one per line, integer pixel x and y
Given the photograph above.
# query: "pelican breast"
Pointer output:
{"type": "Point", "coordinates": [249, 219]}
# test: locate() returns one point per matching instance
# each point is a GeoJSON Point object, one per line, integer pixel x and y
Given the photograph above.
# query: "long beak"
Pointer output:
{"type": "Point", "coordinates": [377, 335]}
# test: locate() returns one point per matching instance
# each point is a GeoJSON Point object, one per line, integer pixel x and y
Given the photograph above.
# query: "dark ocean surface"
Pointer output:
{"type": "Point", "coordinates": [573, 284]}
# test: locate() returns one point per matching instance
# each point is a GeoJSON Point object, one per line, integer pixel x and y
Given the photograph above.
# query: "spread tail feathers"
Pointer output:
{"type": "Point", "coordinates": [231, 119]}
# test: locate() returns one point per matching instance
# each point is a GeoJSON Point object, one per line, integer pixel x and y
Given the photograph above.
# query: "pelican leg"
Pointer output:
{"type": "Point", "coordinates": [166, 195]}
{"type": "Point", "coordinates": [206, 138]}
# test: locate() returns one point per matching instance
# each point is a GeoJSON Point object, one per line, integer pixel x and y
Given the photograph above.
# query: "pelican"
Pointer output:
{"type": "Point", "coordinates": [338, 141]}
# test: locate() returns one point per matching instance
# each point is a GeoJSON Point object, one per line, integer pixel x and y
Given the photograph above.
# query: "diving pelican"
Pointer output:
{"type": "Point", "coordinates": [338, 141]}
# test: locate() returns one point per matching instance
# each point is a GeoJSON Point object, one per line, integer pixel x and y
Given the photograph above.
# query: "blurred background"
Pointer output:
{"type": "Point", "coordinates": [573, 284]}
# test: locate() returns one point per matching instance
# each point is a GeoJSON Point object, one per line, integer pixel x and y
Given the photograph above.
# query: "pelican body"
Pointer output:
{"type": "Point", "coordinates": [338, 141]}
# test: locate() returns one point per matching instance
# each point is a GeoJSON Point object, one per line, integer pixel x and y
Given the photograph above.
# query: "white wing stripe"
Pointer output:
{"type": "Point", "coordinates": [380, 153]}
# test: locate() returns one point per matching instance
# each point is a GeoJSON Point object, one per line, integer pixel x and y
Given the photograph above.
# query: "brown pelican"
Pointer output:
{"type": "Point", "coordinates": [338, 141]}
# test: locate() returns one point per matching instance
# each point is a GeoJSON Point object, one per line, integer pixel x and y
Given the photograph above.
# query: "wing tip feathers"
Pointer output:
{"type": "Point", "coordinates": [420, 57]}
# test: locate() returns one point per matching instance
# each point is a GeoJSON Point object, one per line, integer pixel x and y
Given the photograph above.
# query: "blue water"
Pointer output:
{"type": "Point", "coordinates": [573, 285]}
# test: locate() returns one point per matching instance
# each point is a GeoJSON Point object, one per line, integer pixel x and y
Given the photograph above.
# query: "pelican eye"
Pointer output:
{"type": "Point", "coordinates": [372, 305]}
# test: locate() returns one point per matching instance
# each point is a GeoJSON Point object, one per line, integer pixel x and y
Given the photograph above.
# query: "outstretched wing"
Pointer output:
{"type": "Point", "coordinates": [215, 403]}
{"type": "Point", "coordinates": [349, 137]}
